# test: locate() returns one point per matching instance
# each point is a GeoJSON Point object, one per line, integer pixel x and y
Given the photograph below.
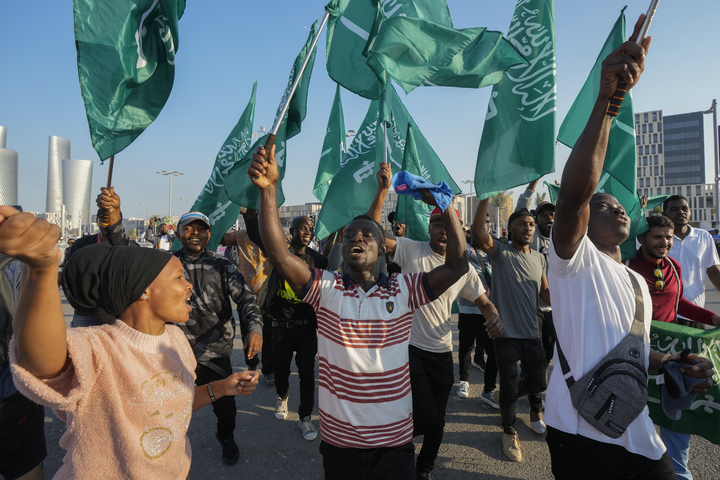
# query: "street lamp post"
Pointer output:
{"type": "Point", "coordinates": [716, 160]}
{"type": "Point", "coordinates": [147, 214]}
{"type": "Point", "coordinates": [187, 203]}
{"type": "Point", "coordinates": [174, 173]}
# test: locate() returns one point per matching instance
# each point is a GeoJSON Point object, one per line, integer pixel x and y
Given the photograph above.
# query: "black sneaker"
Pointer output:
{"type": "Point", "coordinates": [230, 451]}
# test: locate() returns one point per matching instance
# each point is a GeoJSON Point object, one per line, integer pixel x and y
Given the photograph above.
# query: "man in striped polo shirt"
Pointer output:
{"type": "Point", "coordinates": [364, 322]}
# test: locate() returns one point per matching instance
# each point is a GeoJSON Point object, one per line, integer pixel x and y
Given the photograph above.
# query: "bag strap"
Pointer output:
{"type": "Point", "coordinates": [637, 328]}
{"type": "Point", "coordinates": [677, 278]}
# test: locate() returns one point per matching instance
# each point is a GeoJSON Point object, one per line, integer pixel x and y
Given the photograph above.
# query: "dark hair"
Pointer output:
{"type": "Point", "coordinates": [660, 221]}
{"type": "Point", "coordinates": [377, 224]}
{"type": "Point", "coordinates": [673, 198]}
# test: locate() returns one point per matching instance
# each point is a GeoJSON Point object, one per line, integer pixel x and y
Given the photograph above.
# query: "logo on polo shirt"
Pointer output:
{"type": "Point", "coordinates": [390, 306]}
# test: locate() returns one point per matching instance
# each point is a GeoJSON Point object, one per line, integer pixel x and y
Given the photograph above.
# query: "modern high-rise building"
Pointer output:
{"type": "Point", "coordinates": [58, 150]}
{"type": "Point", "coordinates": [8, 172]}
{"type": "Point", "coordinates": [76, 186]}
{"type": "Point", "coordinates": [671, 160]}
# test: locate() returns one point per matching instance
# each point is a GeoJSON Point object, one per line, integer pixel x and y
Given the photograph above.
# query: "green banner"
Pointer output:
{"type": "Point", "coordinates": [354, 185]}
{"type": "Point", "coordinates": [126, 65]}
{"type": "Point", "coordinates": [703, 417]}
{"type": "Point", "coordinates": [213, 201]}
{"type": "Point", "coordinates": [353, 23]}
{"type": "Point", "coordinates": [332, 149]}
{"type": "Point", "coordinates": [417, 51]}
{"type": "Point", "coordinates": [518, 138]}
{"type": "Point", "coordinates": [238, 187]}
{"type": "Point", "coordinates": [413, 213]}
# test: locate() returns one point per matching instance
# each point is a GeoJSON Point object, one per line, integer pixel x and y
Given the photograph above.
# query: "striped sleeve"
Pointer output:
{"type": "Point", "coordinates": [311, 292]}
{"type": "Point", "coordinates": [419, 290]}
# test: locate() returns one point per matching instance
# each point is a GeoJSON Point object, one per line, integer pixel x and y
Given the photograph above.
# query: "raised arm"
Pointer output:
{"type": "Point", "coordinates": [584, 166]}
{"type": "Point", "coordinates": [384, 175]}
{"type": "Point", "coordinates": [482, 237]}
{"type": "Point", "coordinates": [263, 172]}
{"type": "Point", "coordinates": [456, 256]}
{"type": "Point", "coordinates": [39, 324]}
{"type": "Point", "coordinates": [526, 197]}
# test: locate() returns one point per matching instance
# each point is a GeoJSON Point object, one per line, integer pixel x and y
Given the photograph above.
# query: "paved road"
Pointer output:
{"type": "Point", "coordinates": [273, 449]}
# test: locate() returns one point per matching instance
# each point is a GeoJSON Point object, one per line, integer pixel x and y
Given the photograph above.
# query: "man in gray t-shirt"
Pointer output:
{"type": "Point", "coordinates": [517, 282]}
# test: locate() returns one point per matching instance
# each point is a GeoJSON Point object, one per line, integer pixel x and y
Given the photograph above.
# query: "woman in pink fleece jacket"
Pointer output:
{"type": "Point", "coordinates": [125, 389]}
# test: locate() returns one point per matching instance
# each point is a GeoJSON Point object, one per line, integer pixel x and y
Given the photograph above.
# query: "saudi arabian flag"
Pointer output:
{"type": "Point", "coordinates": [518, 140]}
{"type": "Point", "coordinates": [332, 149]}
{"type": "Point", "coordinates": [413, 213]}
{"type": "Point", "coordinates": [619, 175]}
{"type": "Point", "coordinates": [238, 187]}
{"type": "Point", "coordinates": [126, 65]}
{"type": "Point", "coordinates": [213, 201]}
{"type": "Point", "coordinates": [353, 23]}
{"type": "Point", "coordinates": [417, 51]}
{"type": "Point", "coordinates": [354, 185]}
{"type": "Point", "coordinates": [703, 416]}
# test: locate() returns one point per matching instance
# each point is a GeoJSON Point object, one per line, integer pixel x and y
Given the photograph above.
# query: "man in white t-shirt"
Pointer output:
{"type": "Point", "coordinates": [431, 362]}
{"type": "Point", "coordinates": [594, 302]}
{"type": "Point", "coordinates": [364, 321]}
{"type": "Point", "coordinates": [695, 251]}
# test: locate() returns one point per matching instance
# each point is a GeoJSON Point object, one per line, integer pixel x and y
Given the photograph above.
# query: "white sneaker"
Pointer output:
{"type": "Point", "coordinates": [307, 428]}
{"type": "Point", "coordinates": [281, 409]}
{"type": "Point", "coordinates": [462, 390]}
{"type": "Point", "coordinates": [538, 427]}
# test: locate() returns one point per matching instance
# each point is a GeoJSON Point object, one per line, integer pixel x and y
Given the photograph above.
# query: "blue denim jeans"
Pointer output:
{"type": "Point", "coordinates": [678, 449]}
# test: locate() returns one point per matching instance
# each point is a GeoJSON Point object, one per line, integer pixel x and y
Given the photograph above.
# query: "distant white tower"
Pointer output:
{"type": "Point", "coordinates": [76, 186]}
{"type": "Point", "coordinates": [8, 172]}
{"type": "Point", "coordinates": [58, 150]}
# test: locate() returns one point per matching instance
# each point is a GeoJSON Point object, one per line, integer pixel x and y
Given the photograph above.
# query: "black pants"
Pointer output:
{"type": "Point", "coordinates": [575, 456]}
{"type": "Point", "coordinates": [431, 380]}
{"type": "Point", "coordinates": [471, 327]}
{"type": "Point", "coordinates": [267, 361]}
{"type": "Point", "coordinates": [390, 463]}
{"type": "Point", "coordinates": [546, 329]}
{"type": "Point", "coordinates": [253, 362]}
{"type": "Point", "coordinates": [224, 407]}
{"type": "Point", "coordinates": [22, 435]}
{"type": "Point", "coordinates": [513, 385]}
{"type": "Point", "coordinates": [301, 340]}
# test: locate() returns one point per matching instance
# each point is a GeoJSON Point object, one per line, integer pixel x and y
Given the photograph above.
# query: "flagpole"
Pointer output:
{"type": "Point", "coordinates": [271, 138]}
{"type": "Point", "coordinates": [386, 184]}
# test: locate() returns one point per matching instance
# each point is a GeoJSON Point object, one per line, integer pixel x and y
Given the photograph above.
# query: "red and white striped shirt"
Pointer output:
{"type": "Point", "coordinates": [364, 398]}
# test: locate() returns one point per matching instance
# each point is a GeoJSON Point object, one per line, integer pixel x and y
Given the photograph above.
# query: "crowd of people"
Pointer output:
{"type": "Point", "coordinates": [153, 331]}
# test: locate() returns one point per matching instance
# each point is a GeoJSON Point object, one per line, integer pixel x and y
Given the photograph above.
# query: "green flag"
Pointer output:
{"type": "Point", "coordinates": [351, 26]}
{"type": "Point", "coordinates": [413, 213]}
{"type": "Point", "coordinates": [518, 139]}
{"type": "Point", "coordinates": [354, 185]}
{"type": "Point", "coordinates": [619, 175]}
{"type": "Point", "coordinates": [416, 51]}
{"type": "Point", "coordinates": [703, 416]}
{"type": "Point", "coordinates": [332, 149]}
{"type": "Point", "coordinates": [238, 187]}
{"type": "Point", "coordinates": [126, 65]}
{"type": "Point", "coordinates": [213, 201]}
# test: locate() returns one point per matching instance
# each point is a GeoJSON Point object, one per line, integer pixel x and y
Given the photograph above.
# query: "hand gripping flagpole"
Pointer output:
{"type": "Point", "coordinates": [278, 121]}
{"type": "Point", "coordinates": [622, 88]}
{"type": "Point", "coordinates": [106, 214]}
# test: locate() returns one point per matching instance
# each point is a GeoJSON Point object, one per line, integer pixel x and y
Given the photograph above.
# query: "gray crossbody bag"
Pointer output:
{"type": "Point", "coordinates": [611, 395]}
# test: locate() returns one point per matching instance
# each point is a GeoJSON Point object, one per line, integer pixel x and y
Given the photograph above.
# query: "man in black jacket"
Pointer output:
{"type": "Point", "coordinates": [211, 328]}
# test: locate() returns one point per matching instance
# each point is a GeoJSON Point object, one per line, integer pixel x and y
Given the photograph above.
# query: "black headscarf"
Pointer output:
{"type": "Point", "coordinates": [102, 280]}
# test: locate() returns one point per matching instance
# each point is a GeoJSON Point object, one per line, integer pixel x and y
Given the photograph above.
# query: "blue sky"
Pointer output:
{"type": "Point", "coordinates": [226, 45]}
